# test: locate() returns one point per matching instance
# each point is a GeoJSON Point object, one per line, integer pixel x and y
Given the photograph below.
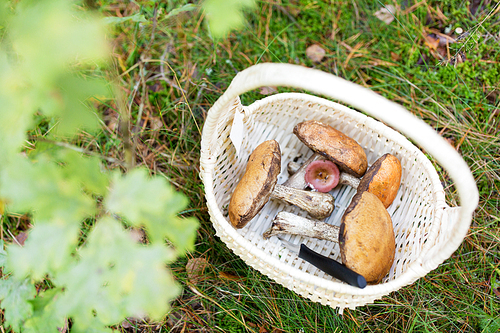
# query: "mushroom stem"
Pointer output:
{"type": "Point", "coordinates": [291, 224]}
{"type": "Point", "coordinates": [297, 180]}
{"type": "Point", "coordinates": [318, 205]}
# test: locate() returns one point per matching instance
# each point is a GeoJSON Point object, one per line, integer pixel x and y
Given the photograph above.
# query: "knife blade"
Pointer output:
{"type": "Point", "coordinates": [327, 265]}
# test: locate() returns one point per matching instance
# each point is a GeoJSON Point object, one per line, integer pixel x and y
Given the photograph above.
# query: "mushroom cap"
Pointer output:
{"type": "Point", "coordinates": [383, 179]}
{"type": "Point", "coordinates": [322, 175]}
{"type": "Point", "coordinates": [366, 237]}
{"type": "Point", "coordinates": [257, 184]}
{"type": "Point", "coordinates": [334, 145]}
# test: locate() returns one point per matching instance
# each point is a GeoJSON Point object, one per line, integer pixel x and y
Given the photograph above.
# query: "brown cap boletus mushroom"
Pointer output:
{"type": "Point", "coordinates": [366, 237]}
{"type": "Point", "coordinates": [329, 143]}
{"type": "Point", "coordinates": [383, 179]}
{"type": "Point", "coordinates": [259, 184]}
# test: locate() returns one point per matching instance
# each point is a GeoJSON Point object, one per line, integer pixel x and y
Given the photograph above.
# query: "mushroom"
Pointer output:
{"type": "Point", "coordinates": [329, 143]}
{"type": "Point", "coordinates": [383, 178]}
{"type": "Point", "coordinates": [366, 236]}
{"type": "Point", "coordinates": [259, 184]}
{"type": "Point", "coordinates": [322, 175]}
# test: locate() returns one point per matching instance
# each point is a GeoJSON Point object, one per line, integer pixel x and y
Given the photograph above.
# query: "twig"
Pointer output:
{"type": "Point", "coordinates": [162, 69]}
{"type": "Point", "coordinates": [81, 150]}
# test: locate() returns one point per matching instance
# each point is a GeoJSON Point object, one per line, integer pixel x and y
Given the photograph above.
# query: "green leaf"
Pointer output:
{"type": "Point", "coordinates": [45, 318]}
{"type": "Point", "coordinates": [3, 255]}
{"type": "Point", "coordinates": [47, 250]}
{"type": "Point", "coordinates": [153, 203]}
{"type": "Point", "coordinates": [15, 296]}
{"type": "Point", "coordinates": [87, 170]}
{"type": "Point", "coordinates": [51, 35]}
{"type": "Point", "coordinates": [134, 18]}
{"type": "Point", "coordinates": [67, 104]}
{"type": "Point", "coordinates": [116, 278]}
{"type": "Point", "coordinates": [41, 187]}
{"type": "Point", "coordinates": [43, 39]}
{"type": "Point", "coordinates": [186, 8]}
{"type": "Point", "coordinates": [225, 15]}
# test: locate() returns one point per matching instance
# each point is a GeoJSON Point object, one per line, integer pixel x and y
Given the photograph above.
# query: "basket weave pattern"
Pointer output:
{"type": "Point", "coordinates": [422, 220]}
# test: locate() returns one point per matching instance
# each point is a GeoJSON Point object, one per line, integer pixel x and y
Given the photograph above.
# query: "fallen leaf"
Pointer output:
{"type": "Point", "coordinates": [451, 141]}
{"type": "Point", "coordinates": [315, 52]}
{"type": "Point", "coordinates": [21, 238]}
{"type": "Point", "coordinates": [229, 276]}
{"type": "Point", "coordinates": [431, 42]}
{"type": "Point", "coordinates": [267, 90]}
{"type": "Point", "coordinates": [395, 56]}
{"type": "Point", "coordinates": [129, 322]}
{"type": "Point", "coordinates": [386, 14]}
{"type": "Point", "coordinates": [195, 268]}
{"type": "Point", "coordinates": [138, 235]}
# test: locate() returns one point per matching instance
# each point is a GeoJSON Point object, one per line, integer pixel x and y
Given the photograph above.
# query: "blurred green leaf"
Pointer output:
{"type": "Point", "coordinates": [116, 277]}
{"type": "Point", "coordinates": [69, 104]}
{"type": "Point", "coordinates": [153, 203]}
{"type": "Point", "coordinates": [225, 15]}
{"type": "Point", "coordinates": [40, 187]}
{"type": "Point", "coordinates": [186, 8]}
{"type": "Point", "coordinates": [134, 18]}
{"type": "Point", "coordinates": [3, 254]}
{"type": "Point", "coordinates": [15, 296]}
{"type": "Point", "coordinates": [51, 35]}
{"type": "Point", "coordinates": [45, 317]}
{"type": "Point", "coordinates": [87, 170]}
{"type": "Point", "coordinates": [47, 250]}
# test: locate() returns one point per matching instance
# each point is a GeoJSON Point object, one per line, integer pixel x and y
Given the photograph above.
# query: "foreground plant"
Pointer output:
{"type": "Point", "coordinates": [80, 264]}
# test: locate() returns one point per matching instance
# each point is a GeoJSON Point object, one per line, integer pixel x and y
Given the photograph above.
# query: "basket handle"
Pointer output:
{"type": "Point", "coordinates": [322, 83]}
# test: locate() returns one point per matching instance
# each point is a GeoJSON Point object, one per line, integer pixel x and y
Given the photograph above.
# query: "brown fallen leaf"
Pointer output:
{"type": "Point", "coordinates": [267, 90]}
{"type": "Point", "coordinates": [386, 14]}
{"type": "Point", "coordinates": [21, 238]}
{"type": "Point", "coordinates": [315, 52]}
{"type": "Point", "coordinates": [431, 42]}
{"type": "Point", "coordinates": [229, 276]}
{"type": "Point", "coordinates": [195, 268]}
{"type": "Point", "coordinates": [395, 56]}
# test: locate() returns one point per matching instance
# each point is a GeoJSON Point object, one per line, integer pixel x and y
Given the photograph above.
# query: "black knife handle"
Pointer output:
{"type": "Point", "coordinates": [332, 267]}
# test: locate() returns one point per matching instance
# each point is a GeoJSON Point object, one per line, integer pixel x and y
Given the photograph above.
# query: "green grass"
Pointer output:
{"type": "Point", "coordinates": [460, 100]}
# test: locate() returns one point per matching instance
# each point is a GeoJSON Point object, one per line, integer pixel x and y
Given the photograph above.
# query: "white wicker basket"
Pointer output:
{"type": "Point", "coordinates": [427, 230]}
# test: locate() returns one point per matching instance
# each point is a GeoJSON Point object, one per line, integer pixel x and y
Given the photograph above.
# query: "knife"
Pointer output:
{"type": "Point", "coordinates": [327, 265]}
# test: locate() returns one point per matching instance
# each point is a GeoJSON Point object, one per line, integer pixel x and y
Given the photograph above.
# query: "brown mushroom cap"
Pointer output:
{"type": "Point", "coordinates": [383, 179]}
{"type": "Point", "coordinates": [257, 184]}
{"type": "Point", "coordinates": [366, 237]}
{"type": "Point", "coordinates": [334, 145]}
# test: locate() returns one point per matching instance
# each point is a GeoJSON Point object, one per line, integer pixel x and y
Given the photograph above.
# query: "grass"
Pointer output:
{"type": "Point", "coordinates": [171, 72]}
{"type": "Point", "coordinates": [459, 98]}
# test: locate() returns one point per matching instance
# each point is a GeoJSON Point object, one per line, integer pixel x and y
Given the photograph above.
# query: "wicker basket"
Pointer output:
{"type": "Point", "coordinates": [427, 230]}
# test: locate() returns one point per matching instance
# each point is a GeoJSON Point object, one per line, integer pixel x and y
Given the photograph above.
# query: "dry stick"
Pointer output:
{"type": "Point", "coordinates": [162, 69]}
{"type": "Point", "coordinates": [81, 150]}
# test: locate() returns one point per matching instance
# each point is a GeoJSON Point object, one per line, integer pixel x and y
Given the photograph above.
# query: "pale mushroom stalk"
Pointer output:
{"type": "Point", "coordinates": [291, 224]}
{"type": "Point", "coordinates": [318, 205]}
